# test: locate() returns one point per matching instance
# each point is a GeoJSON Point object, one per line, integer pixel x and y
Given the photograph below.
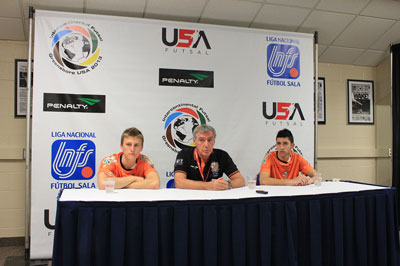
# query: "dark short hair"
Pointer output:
{"type": "Point", "coordinates": [285, 133]}
{"type": "Point", "coordinates": [132, 132]}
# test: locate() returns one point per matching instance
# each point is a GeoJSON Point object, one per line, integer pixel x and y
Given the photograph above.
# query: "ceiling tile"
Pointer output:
{"type": "Point", "coordinates": [299, 3]}
{"type": "Point", "coordinates": [10, 9]}
{"type": "Point", "coordinates": [392, 36]}
{"type": "Point", "coordinates": [181, 10]}
{"type": "Point", "coordinates": [328, 24]}
{"type": "Point", "coordinates": [383, 9]}
{"type": "Point", "coordinates": [357, 36]}
{"type": "Point", "coordinates": [370, 58]}
{"type": "Point", "coordinates": [340, 55]}
{"type": "Point", "coordinates": [228, 12]}
{"type": "Point", "coordinates": [374, 28]}
{"type": "Point", "coordinates": [345, 6]}
{"type": "Point", "coordinates": [11, 29]}
{"type": "Point", "coordinates": [116, 7]}
{"type": "Point", "coordinates": [321, 49]}
{"type": "Point", "coordinates": [66, 6]}
{"type": "Point", "coordinates": [280, 17]}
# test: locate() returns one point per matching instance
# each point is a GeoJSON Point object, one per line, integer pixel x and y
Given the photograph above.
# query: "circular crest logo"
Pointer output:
{"type": "Point", "coordinates": [179, 123]}
{"type": "Point", "coordinates": [76, 48]}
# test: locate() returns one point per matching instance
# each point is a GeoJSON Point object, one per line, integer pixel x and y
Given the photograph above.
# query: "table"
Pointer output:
{"type": "Point", "coordinates": [339, 223]}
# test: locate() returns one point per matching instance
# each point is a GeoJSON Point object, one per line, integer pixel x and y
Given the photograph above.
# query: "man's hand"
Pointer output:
{"type": "Point", "coordinates": [301, 180]}
{"type": "Point", "coordinates": [218, 184]}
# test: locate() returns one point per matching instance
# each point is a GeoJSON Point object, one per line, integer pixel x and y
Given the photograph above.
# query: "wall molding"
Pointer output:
{"type": "Point", "coordinates": [12, 153]}
{"type": "Point", "coordinates": [12, 241]}
{"type": "Point", "coordinates": [345, 153]}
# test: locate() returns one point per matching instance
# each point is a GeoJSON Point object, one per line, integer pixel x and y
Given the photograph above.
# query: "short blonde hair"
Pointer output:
{"type": "Point", "coordinates": [132, 132]}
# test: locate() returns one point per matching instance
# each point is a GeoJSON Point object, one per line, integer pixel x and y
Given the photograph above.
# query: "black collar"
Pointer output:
{"type": "Point", "coordinates": [280, 159]}
{"type": "Point", "coordinates": [120, 160]}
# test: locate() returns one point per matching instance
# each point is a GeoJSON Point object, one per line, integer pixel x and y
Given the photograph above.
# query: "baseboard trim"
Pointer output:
{"type": "Point", "coordinates": [12, 241]}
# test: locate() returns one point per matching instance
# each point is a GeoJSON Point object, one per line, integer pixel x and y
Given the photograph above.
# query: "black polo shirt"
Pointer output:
{"type": "Point", "coordinates": [219, 163]}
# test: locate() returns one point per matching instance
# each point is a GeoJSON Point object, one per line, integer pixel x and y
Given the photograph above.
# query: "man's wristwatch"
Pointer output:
{"type": "Point", "coordinates": [230, 184]}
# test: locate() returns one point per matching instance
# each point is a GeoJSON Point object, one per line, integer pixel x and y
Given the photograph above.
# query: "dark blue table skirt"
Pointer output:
{"type": "Point", "coordinates": [357, 228]}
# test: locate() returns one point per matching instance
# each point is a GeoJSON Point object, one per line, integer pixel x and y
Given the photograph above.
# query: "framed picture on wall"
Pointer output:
{"type": "Point", "coordinates": [21, 87]}
{"type": "Point", "coordinates": [360, 101]}
{"type": "Point", "coordinates": [321, 101]}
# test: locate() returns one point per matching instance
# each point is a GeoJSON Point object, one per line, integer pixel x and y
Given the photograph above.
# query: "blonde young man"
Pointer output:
{"type": "Point", "coordinates": [202, 166]}
{"type": "Point", "coordinates": [130, 168]}
{"type": "Point", "coordinates": [283, 166]}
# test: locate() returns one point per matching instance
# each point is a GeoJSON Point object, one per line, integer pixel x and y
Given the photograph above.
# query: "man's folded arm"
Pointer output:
{"type": "Point", "coordinates": [151, 181]}
{"type": "Point", "coordinates": [182, 182]}
{"type": "Point", "coordinates": [120, 182]}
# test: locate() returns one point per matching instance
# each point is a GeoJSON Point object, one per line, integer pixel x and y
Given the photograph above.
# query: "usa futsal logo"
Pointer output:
{"type": "Point", "coordinates": [73, 159]}
{"type": "Point", "coordinates": [283, 61]}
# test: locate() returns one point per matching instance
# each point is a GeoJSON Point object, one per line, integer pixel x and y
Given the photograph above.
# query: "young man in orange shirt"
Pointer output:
{"type": "Point", "coordinates": [284, 167]}
{"type": "Point", "coordinates": [130, 168]}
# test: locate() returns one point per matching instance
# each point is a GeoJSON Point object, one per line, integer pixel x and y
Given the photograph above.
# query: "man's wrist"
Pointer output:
{"type": "Point", "coordinates": [230, 184]}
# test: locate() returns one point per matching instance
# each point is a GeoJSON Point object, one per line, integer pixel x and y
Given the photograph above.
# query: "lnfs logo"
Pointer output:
{"type": "Point", "coordinates": [73, 159]}
{"type": "Point", "coordinates": [188, 40]}
{"type": "Point", "coordinates": [282, 111]}
{"type": "Point", "coordinates": [179, 123]}
{"type": "Point", "coordinates": [283, 61]}
{"type": "Point", "coordinates": [75, 47]}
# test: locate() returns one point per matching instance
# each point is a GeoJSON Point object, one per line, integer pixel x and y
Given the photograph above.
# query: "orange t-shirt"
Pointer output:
{"type": "Point", "coordinates": [278, 169]}
{"type": "Point", "coordinates": [113, 163]}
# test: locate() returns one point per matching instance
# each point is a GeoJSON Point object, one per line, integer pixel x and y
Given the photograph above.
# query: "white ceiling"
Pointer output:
{"type": "Point", "coordinates": [355, 32]}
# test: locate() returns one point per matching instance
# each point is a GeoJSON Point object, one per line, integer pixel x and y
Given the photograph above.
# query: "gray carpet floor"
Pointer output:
{"type": "Point", "coordinates": [15, 256]}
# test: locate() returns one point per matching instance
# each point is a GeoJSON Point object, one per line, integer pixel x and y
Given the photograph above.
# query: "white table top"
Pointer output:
{"type": "Point", "coordinates": [188, 194]}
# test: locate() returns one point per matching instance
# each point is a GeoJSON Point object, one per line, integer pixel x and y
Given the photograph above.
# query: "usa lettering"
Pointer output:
{"type": "Point", "coordinates": [282, 111]}
{"type": "Point", "coordinates": [185, 38]}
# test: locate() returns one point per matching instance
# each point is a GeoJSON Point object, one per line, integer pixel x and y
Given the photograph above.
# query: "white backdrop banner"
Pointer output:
{"type": "Point", "coordinates": [97, 75]}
